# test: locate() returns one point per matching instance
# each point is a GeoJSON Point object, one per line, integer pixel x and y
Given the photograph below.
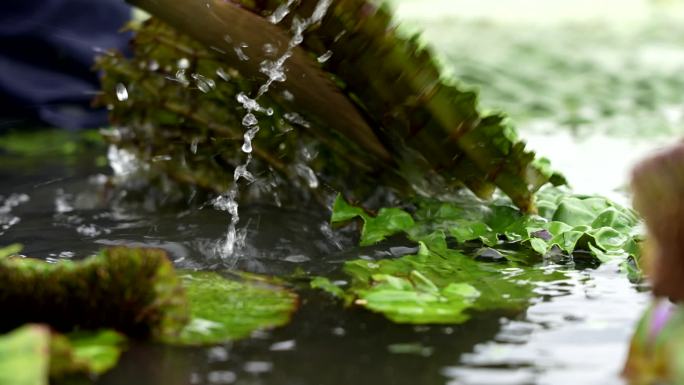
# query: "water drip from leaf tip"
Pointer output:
{"type": "Point", "coordinates": [121, 92]}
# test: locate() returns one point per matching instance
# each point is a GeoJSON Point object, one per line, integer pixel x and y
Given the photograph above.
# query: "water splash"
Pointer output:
{"type": "Point", "coordinates": [275, 71]}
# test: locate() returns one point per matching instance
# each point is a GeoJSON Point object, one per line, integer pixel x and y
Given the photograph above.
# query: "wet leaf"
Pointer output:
{"type": "Point", "coordinates": [10, 250]}
{"type": "Point", "coordinates": [24, 356]}
{"type": "Point", "coordinates": [444, 289]}
{"type": "Point", "coordinates": [99, 350]}
{"type": "Point", "coordinates": [567, 221]}
{"type": "Point", "coordinates": [223, 309]}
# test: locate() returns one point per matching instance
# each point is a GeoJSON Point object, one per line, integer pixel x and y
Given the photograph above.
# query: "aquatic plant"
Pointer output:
{"type": "Point", "coordinates": [478, 255]}
{"type": "Point", "coordinates": [373, 108]}
{"type": "Point", "coordinates": [32, 354]}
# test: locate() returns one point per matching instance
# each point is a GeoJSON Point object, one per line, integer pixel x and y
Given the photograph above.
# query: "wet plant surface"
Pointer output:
{"type": "Point", "coordinates": [571, 328]}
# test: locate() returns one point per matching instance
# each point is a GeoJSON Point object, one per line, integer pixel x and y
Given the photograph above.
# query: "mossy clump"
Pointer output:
{"type": "Point", "coordinates": [134, 291]}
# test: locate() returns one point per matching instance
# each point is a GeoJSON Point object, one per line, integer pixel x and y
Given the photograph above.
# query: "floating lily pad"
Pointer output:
{"type": "Point", "coordinates": [224, 309]}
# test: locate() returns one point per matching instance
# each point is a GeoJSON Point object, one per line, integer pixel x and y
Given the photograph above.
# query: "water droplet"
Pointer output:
{"type": "Point", "coordinates": [279, 14]}
{"type": "Point", "coordinates": [193, 145]}
{"type": "Point", "coordinates": [161, 158]}
{"type": "Point", "coordinates": [183, 63]}
{"type": "Point", "coordinates": [240, 54]}
{"type": "Point", "coordinates": [325, 57]}
{"type": "Point", "coordinates": [249, 120]}
{"type": "Point", "coordinates": [288, 95]}
{"type": "Point", "coordinates": [153, 65]}
{"type": "Point", "coordinates": [241, 172]}
{"type": "Point", "coordinates": [295, 118]}
{"type": "Point", "coordinates": [204, 83]}
{"type": "Point", "coordinates": [181, 78]}
{"type": "Point", "coordinates": [121, 92]}
{"type": "Point", "coordinates": [306, 173]}
{"type": "Point", "coordinates": [223, 74]}
{"type": "Point", "coordinates": [269, 49]}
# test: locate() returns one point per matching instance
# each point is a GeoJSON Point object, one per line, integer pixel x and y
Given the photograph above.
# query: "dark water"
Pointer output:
{"type": "Point", "coordinates": [576, 331]}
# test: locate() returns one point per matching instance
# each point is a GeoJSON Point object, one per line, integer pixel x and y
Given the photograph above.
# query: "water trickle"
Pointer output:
{"type": "Point", "coordinates": [203, 83]}
{"type": "Point", "coordinates": [240, 53]}
{"type": "Point", "coordinates": [222, 74]}
{"type": "Point", "coordinates": [193, 145]}
{"type": "Point", "coordinates": [279, 14]}
{"type": "Point", "coordinates": [325, 57]}
{"type": "Point", "coordinates": [181, 78]}
{"type": "Point", "coordinates": [121, 92]}
{"type": "Point", "coordinates": [249, 120]}
{"type": "Point", "coordinates": [275, 70]}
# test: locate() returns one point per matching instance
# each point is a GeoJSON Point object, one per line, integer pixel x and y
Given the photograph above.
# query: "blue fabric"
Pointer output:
{"type": "Point", "coordinates": [47, 50]}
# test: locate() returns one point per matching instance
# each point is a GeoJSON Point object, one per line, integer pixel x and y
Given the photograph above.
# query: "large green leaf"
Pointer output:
{"type": "Point", "coordinates": [442, 286]}
{"type": "Point", "coordinates": [24, 356]}
{"type": "Point", "coordinates": [566, 221]}
{"type": "Point", "coordinates": [224, 309]}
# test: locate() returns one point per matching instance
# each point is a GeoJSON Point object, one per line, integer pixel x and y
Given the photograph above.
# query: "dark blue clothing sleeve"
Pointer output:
{"type": "Point", "coordinates": [47, 50]}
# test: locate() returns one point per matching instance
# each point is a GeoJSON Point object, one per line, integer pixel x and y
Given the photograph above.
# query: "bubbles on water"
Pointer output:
{"type": "Point", "coordinates": [258, 367]}
{"type": "Point", "coordinates": [8, 220]}
{"type": "Point", "coordinates": [62, 204]}
{"type": "Point", "coordinates": [283, 346]}
{"type": "Point", "coordinates": [325, 57]}
{"type": "Point", "coordinates": [218, 354]}
{"type": "Point", "coordinates": [220, 377]}
{"type": "Point", "coordinates": [121, 92]}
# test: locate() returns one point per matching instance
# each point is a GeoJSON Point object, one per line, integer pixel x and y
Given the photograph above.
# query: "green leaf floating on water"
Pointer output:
{"type": "Point", "coordinates": [442, 287]}
{"type": "Point", "coordinates": [99, 350]}
{"type": "Point", "coordinates": [31, 354]}
{"type": "Point", "coordinates": [566, 221]}
{"type": "Point", "coordinates": [24, 358]}
{"type": "Point", "coordinates": [10, 250]}
{"type": "Point", "coordinates": [477, 255]}
{"type": "Point", "coordinates": [226, 309]}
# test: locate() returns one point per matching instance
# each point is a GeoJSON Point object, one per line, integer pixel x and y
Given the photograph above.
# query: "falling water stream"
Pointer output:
{"type": "Point", "coordinates": [275, 70]}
